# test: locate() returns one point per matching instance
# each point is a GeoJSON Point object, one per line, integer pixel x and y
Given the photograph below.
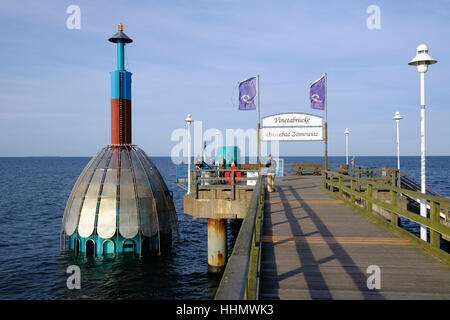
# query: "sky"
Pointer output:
{"type": "Point", "coordinates": [188, 56]}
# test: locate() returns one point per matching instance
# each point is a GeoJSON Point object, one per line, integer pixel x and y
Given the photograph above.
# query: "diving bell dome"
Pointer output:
{"type": "Point", "coordinates": [120, 202]}
{"type": "Point", "coordinates": [121, 195]}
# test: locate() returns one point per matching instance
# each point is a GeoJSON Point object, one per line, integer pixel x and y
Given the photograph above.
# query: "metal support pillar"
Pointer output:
{"type": "Point", "coordinates": [217, 245]}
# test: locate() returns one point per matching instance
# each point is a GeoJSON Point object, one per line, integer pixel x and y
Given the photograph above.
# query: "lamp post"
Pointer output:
{"type": "Point", "coordinates": [421, 61]}
{"type": "Point", "coordinates": [217, 143]}
{"type": "Point", "coordinates": [346, 144]}
{"type": "Point", "coordinates": [397, 118]}
{"type": "Point", "coordinates": [188, 121]}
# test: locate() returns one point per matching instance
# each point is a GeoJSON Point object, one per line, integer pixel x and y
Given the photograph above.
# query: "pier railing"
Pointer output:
{"type": "Point", "coordinates": [291, 168]}
{"type": "Point", "coordinates": [215, 179]}
{"type": "Point", "coordinates": [410, 183]}
{"type": "Point", "coordinates": [359, 192]}
{"type": "Point", "coordinates": [240, 280]}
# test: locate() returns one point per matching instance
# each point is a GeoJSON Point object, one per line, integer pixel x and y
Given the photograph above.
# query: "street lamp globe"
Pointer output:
{"type": "Point", "coordinates": [397, 116]}
{"type": "Point", "coordinates": [188, 119]}
{"type": "Point", "coordinates": [422, 59]}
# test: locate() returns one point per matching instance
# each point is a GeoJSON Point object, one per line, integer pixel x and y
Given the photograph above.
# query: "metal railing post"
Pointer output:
{"type": "Point", "coordinates": [233, 186]}
{"type": "Point", "coordinates": [324, 180]}
{"type": "Point", "coordinates": [394, 178]}
{"type": "Point", "coordinates": [194, 176]}
{"type": "Point", "coordinates": [435, 239]}
{"type": "Point", "coordinates": [359, 181]}
{"type": "Point", "coordinates": [352, 186]}
{"type": "Point", "coordinates": [369, 197]}
{"type": "Point", "coordinates": [393, 201]}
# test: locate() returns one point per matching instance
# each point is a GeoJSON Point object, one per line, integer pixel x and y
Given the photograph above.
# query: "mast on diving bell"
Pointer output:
{"type": "Point", "coordinates": [120, 93]}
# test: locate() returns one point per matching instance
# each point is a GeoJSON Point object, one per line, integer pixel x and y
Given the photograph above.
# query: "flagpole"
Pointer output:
{"type": "Point", "coordinates": [259, 122]}
{"type": "Point", "coordinates": [326, 126]}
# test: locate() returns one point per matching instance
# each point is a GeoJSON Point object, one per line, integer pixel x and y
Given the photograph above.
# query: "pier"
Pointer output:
{"type": "Point", "coordinates": [321, 237]}
{"type": "Point", "coordinates": [218, 199]}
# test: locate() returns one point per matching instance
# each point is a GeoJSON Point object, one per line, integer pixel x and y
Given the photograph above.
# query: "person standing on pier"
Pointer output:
{"type": "Point", "coordinates": [271, 166]}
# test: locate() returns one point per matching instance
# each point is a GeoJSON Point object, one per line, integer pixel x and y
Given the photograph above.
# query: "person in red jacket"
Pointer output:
{"type": "Point", "coordinates": [237, 174]}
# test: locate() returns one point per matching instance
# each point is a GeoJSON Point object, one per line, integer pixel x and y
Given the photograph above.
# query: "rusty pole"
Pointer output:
{"type": "Point", "coordinates": [217, 245]}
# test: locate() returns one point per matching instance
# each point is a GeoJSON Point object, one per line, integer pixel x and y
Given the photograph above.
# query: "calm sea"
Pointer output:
{"type": "Point", "coordinates": [32, 200]}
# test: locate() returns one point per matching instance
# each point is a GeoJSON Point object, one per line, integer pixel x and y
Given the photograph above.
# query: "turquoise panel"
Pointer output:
{"type": "Point", "coordinates": [126, 85]}
{"type": "Point", "coordinates": [230, 154]}
{"type": "Point", "coordinates": [110, 246]}
{"type": "Point", "coordinates": [120, 55]}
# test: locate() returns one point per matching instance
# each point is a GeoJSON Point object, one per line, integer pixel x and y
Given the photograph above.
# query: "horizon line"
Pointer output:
{"type": "Point", "coordinates": [168, 156]}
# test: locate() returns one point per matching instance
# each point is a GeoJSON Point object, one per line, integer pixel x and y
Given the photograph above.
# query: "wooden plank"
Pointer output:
{"type": "Point", "coordinates": [307, 168]}
{"type": "Point", "coordinates": [314, 247]}
{"type": "Point", "coordinates": [307, 165]}
{"type": "Point", "coordinates": [250, 166]}
{"type": "Point", "coordinates": [305, 202]}
{"type": "Point", "coordinates": [330, 239]}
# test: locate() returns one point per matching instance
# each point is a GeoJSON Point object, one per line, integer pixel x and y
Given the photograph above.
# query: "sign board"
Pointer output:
{"type": "Point", "coordinates": [292, 126]}
{"type": "Point", "coordinates": [293, 119]}
{"type": "Point", "coordinates": [252, 174]}
{"type": "Point", "coordinates": [292, 134]}
{"type": "Point", "coordinates": [280, 167]}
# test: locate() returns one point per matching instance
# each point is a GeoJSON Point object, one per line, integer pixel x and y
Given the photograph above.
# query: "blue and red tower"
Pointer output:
{"type": "Point", "coordinates": [120, 93]}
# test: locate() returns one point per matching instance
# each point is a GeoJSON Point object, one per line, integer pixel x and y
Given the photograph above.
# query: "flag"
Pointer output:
{"type": "Point", "coordinates": [247, 94]}
{"type": "Point", "coordinates": [317, 93]}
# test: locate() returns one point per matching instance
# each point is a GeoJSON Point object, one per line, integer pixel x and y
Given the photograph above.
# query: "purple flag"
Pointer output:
{"type": "Point", "coordinates": [317, 93]}
{"type": "Point", "coordinates": [247, 93]}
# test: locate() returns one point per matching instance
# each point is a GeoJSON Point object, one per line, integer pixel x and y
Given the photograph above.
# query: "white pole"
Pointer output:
{"type": "Point", "coordinates": [326, 124]}
{"type": "Point", "coordinates": [257, 90]}
{"type": "Point", "coordinates": [422, 60]}
{"type": "Point", "coordinates": [398, 152]}
{"type": "Point", "coordinates": [423, 208]}
{"type": "Point", "coordinates": [398, 145]}
{"type": "Point", "coordinates": [217, 142]}
{"type": "Point", "coordinates": [259, 121]}
{"type": "Point", "coordinates": [346, 148]}
{"type": "Point", "coordinates": [189, 158]}
{"type": "Point", "coordinates": [346, 144]}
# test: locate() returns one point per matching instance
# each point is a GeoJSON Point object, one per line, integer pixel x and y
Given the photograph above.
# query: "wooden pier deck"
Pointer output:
{"type": "Point", "coordinates": [315, 247]}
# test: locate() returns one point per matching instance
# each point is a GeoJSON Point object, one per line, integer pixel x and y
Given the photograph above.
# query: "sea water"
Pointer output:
{"type": "Point", "coordinates": [33, 195]}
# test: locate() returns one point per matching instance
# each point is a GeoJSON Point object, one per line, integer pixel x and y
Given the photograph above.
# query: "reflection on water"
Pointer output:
{"type": "Point", "coordinates": [134, 277]}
